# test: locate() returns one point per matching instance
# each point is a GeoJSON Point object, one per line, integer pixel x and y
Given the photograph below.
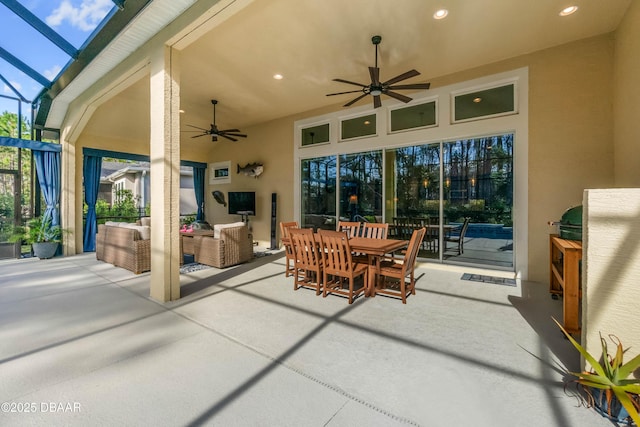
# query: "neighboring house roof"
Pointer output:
{"type": "Point", "coordinates": [112, 171]}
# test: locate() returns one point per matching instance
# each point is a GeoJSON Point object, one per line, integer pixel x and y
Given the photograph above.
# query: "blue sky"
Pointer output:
{"type": "Point", "coordinates": [74, 20]}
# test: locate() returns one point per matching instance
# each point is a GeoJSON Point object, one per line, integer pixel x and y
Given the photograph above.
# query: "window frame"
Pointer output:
{"type": "Point", "coordinates": [301, 128]}
{"type": "Point", "coordinates": [494, 85]}
{"type": "Point", "coordinates": [356, 116]}
{"type": "Point", "coordinates": [421, 101]}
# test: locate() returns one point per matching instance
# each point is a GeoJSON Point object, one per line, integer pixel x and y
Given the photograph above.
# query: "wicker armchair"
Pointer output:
{"type": "Point", "coordinates": [123, 247]}
{"type": "Point", "coordinates": [234, 246]}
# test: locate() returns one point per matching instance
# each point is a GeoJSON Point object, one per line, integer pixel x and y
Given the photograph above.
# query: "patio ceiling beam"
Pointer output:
{"type": "Point", "coordinates": [24, 67]}
{"type": "Point", "coordinates": [41, 27]}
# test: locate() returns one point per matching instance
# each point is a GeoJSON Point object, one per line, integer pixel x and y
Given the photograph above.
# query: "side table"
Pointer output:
{"type": "Point", "coordinates": [187, 245]}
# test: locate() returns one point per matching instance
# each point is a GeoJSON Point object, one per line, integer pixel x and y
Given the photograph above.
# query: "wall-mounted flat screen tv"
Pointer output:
{"type": "Point", "coordinates": [242, 203]}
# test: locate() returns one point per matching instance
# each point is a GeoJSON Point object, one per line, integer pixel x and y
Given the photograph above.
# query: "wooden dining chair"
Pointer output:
{"type": "Point", "coordinates": [352, 228]}
{"type": "Point", "coordinates": [400, 271]}
{"type": "Point", "coordinates": [404, 227]}
{"type": "Point", "coordinates": [458, 238]}
{"type": "Point", "coordinates": [288, 247]}
{"type": "Point", "coordinates": [375, 230]}
{"type": "Point", "coordinates": [339, 270]}
{"type": "Point", "coordinates": [307, 261]}
{"type": "Point", "coordinates": [371, 231]}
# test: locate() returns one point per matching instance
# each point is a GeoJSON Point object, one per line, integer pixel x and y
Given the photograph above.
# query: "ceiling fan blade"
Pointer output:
{"type": "Point", "coordinates": [403, 76]}
{"type": "Point", "coordinates": [192, 130]}
{"type": "Point", "coordinates": [413, 86]}
{"type": "Point", "coordinates": [342, 93]}
{"type": "Point", "coordinates": [229, 130]}
{"type": "Point", "coordinates": [376, 101]}
{"type": "Point", "coordinates": [198, 136]}
{"type": "Point", "coordinates": [192, 126]}
{"type": "Point", "coordinates": [348, 82]}
{"type": "Point", "coordinates": [355, 100]}
{"type": "Point", "coordinates": [237, 135]}
{"type": "Point", "coordinates": [228, 137]}
{"type": "Point", "coordinates": [374, 72]}
{"type": "Point", "coordinates": [398, 96]}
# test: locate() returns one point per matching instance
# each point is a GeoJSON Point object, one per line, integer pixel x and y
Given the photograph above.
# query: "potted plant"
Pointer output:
{"type": "Point", "coordinates": [41, 235]}
{"type": "Point", "coordinates": [607, 386]}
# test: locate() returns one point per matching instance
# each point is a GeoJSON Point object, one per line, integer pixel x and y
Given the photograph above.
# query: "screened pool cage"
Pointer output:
{"type": "Point", "coordinates": [21, 197]}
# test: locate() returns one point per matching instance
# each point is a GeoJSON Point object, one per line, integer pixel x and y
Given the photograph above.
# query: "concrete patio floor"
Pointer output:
{"type": "Point", "coordinates": [83, 344]}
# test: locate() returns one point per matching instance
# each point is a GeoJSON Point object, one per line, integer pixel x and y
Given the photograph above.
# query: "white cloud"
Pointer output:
{"type": "Point", "coordinates": [8, 90]}
{"type": "Point", "coordinates": [52, 72]}
{"type": "Point", "coordinates": [85, 17]}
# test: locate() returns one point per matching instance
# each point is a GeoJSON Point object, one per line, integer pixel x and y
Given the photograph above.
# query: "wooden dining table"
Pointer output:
{"type": "Point", "coordinates": [375, 249]}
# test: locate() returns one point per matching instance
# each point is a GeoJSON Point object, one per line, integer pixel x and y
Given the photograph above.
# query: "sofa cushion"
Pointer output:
{"type": "Point", "coordinates": [218, 227]}
{"type": "Point", "coordinates": [145, 221]}
{"type": "Point", "coordinates": [143, 230]}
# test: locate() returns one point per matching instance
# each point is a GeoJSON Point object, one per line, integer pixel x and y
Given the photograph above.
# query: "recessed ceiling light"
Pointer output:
{"type": "Point", "coordinates": [278, 76]}
{"type": "Point", "coordinates": [476, 100]}
{"type": "Point", "coordinates": [441, 13]}
{"type": "Point", "coordinates": [568, 10]}
{"type": "Point", "coordinates": [181, 111]}
{"type": "Point", "coordinates": [367, 122]}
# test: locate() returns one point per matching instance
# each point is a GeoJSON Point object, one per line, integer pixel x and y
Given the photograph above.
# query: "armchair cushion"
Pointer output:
{"type": "Point", "coordinates": [234, 246]}
{"type": "Point", "coordinates": [218, 227]}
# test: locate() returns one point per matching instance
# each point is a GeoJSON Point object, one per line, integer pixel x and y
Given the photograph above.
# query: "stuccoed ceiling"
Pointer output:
{"type": "Point", "coordinates": [311, 42]}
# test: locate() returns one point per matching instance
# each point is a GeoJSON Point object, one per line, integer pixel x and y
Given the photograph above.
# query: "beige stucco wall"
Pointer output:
{"type": "Point", "coordinates": [611, 267]}
{"type": "Point", "coordinates": [626, 131]}
{"type": "Point", "coordinates": [570, 131]}
{"type": "Point", "coordinates": [570, 141]}
{"type": "Point", "coordinates": [270, 144]}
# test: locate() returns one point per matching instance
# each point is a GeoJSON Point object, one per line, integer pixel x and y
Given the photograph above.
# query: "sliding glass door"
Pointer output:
{"type": "Point", "coordinates": [412, 189]}
{"type": "Point", "coordinates": [461, 191]}
{"type": "Point", "coordinates": [318, 193]}
{"type": "Point", "coordinates": [361, 187]}
{"type": "Point", "coordinates": [478, 190]}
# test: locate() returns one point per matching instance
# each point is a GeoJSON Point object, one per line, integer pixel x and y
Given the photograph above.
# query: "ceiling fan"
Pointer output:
{"type": "Point", "coordinates": [231, 134]}
{"type": "Point", "coordinates": [377, 88]}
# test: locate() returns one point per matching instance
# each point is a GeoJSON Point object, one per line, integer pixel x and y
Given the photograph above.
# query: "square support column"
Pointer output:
{"type": "Point", "coordinates": [70, 208]}
{"type": "Point", "coordinates": [165, 174]}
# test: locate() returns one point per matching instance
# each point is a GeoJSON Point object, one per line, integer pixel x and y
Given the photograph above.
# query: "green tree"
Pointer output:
{"type": "Point", "coordinates": [9, 126]}
{"type": "Point", "coordinates": [125, 206]}
{"type": "Point", "coordinates": [9, 161]}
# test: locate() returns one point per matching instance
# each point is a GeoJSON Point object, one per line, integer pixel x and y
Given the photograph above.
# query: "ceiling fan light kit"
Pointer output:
{"type": "Point", "coordinates": [377, 88]}
{"type": "Point", "coordinates": [230, 134]}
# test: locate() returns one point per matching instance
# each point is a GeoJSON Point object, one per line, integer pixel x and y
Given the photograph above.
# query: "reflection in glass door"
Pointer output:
{"type": "Point", "coordinates": [318, 193]}
{"type": "Point", "coordinates": [478, 200]}
{"type": "Point", "coordinates": [9, 205]}
{"type": "Point", "coordinates": [412, 189]}
{"type": "Point", "coordinates": [461, 191]}
{"type": "Point", "coordinates": [361, 187]}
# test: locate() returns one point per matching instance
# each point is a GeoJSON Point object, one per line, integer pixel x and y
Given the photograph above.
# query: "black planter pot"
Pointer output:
{"type": "Point", "coordinates": [45, 250]}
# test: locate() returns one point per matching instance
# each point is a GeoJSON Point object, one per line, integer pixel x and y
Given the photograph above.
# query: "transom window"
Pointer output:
{"type": "Point", "coordinates": [484, 103]}
{"type": "Point", "coordinates": [358, 127]}
{"type": "Point", "coordinates": [413, 117]}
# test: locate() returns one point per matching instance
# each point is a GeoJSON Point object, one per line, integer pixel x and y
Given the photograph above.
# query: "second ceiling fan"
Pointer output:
{"type": "Point", "coordinates": [377, 88]}
{"type": "Point", "coordinates": [231, 134]}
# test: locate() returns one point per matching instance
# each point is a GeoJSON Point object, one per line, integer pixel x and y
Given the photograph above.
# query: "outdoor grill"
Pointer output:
{"type": "Point", "coordinates": [570, 224]}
